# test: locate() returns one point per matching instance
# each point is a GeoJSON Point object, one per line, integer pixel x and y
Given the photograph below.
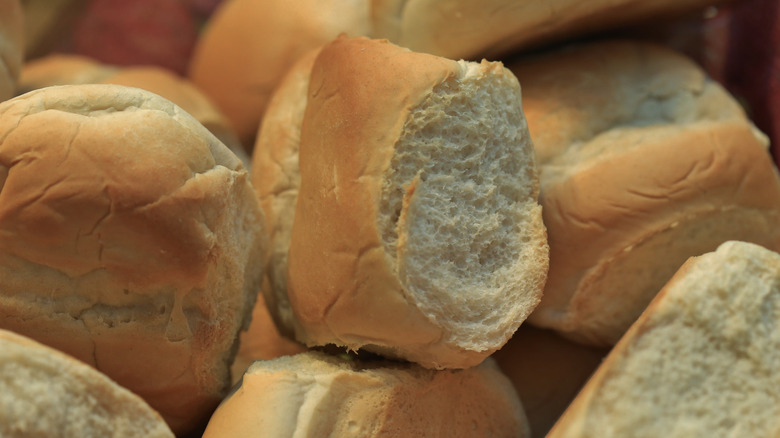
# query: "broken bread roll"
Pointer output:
{"type": "Point", "coordinates": [131, 239]}
{"type": "Point", "coordinates": [669, 167]}
{"type": "Point", "coordinates": [316, 395]}
{"type": "Point", "coordinates": [44, 392]}
{"type": "Point", "coordinates": [417, 232]}
{"type": "Point", "coordinates": [700, 361]}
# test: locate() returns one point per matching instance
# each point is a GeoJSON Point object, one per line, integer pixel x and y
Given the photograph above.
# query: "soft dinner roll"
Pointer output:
{"type": "Point", "coordinates": [417, 231]}
{"type": "Point", "coordinates": [278, 178]}
{"type": "Point", "coordinates": [62, 69]}
{"type": "Point", "coordinates": [130, 238]}
{"type": "Point", "coordinates": [46, 393]}
{"type": "Point", "coordinates": [248, 46]}
{"type": "Point", "coordinates": [644, 163]}
{"type": "Point", "coordinates": [316, 395]}
{"type": "Point", "coordinates": [59, 69]}
{"type": "Point", "coordinates": [547, 371]}
{"type": "Point", "coordinates": [11, 46]}
{"type": "Point", "coordinates": [700, 361]}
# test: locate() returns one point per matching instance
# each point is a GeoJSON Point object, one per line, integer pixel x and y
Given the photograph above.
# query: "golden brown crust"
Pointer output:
{"type": "Point", "coordinates": [249, 46]}
{"type": "Point", "coordinates": [343, 195]}
{"type": "Point", "coordinates": [134, 237]}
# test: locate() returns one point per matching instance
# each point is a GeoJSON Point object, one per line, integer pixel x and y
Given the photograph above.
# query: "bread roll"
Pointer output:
{"type": "Point", "coordinates": [667, 168]}
{"type": "Point", "coordinates": [58, 69]}
{"type": "Point", "coordinates": [547, 371]}
{"type": "Point", "coordinates": [417, 231]}
{"type": "Point", "coordinates": [495, 28]}
{"type": "Point", "coordinates": [62, 69]}
{"type": "Point", "coordinates": [278, 178]}
{"type": "Point", "coordinates": [700, 361]}
{"type": "Point", "coordinates": [130, 238]}
{"type": "Point", "coordinates": [248, 46]}
{"type": "Point", "coordinates": [316, 395]}
{"type": "Point", "coordinates": [11, 46]}
{"type": "Point", "coordinates": [44, 392]}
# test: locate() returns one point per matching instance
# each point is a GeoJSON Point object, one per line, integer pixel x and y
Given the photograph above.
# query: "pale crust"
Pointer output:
{"type": "Point", "coordinates": [80, 387]}
{"type": "Point", "coordinates": [131, 238]}
{"type": "Point", "coordinates": [669, 167]}
{"type": "Point", "coordinates": [11, 46]}
{"type": "Point", "coordinates": [357, 280]}
{"type": "Point", "coordinates": [314, 395]}
{"type": "Point", "coordinates": [278, 178]}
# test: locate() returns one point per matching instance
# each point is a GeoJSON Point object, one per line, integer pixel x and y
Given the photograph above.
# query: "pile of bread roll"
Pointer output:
{"type": "Point", "coordinates": [346, 223]}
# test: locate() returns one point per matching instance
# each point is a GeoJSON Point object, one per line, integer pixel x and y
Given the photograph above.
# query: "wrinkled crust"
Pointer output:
{"type": "Point", "coordinates": [117, 211]}
{"type": "Point", "coordinates": [659, 207]}
{"type": "Point", "coordinates": [37, 382]}
{"type": "Point", "coordinates": [315, 395]}
{"type": "Point", "coordinates": [708, 338]}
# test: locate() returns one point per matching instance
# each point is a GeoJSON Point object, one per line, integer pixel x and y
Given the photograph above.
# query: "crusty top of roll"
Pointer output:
{"type": "Point", "coordinates": [62, 69]}
{"type": "Point", "coordinates": [11, 46]}
{"type": "Point", "coordinates": [130, 238]}
{"type": "Point", "coordinates": [316, 395]}
{"type": "Point", "coordinates": [700, 361]}
{"type": "Point", "coordinates": [667, 168]}
{"type": "Point", "coordinates": [417, 231]}
{"type": "Point", "coordinates": [248, 46]}
{"type": "Point", "coordinates": [44, 392]}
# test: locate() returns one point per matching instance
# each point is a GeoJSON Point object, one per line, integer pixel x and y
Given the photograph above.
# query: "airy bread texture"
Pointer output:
{"type": "Point", "coordinates": [249, 45]}
{"type": "Point", "coordinates": [130, 238]}
{"type": "Point", "coordinates": [316, 395]}
{"type": "Point", "coordinates": [417, 231]}
{"type": "Point", "coordinates": [59, 69]}
{"type": "Point", "coordinates": [278, 177]}
{"type": "Point", "coordinates": [667, 168]}
{"type": "Point", "coordinates": [11, 46]}
{"type": "Point", "coordinates": [36, 382]}
{"type": "Point", "coordinates": [700, 361]}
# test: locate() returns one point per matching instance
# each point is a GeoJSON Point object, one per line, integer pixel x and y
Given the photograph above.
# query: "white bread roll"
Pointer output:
{"type": "Point", "coordinates": [46, 393]}
{"type": "Point", "coordinates": [700, 361]}
{"type": "Point", "coordinates": [277, 181]}
{"type": "Point", "coordinates": [547, 371]}
{"type": "Point", "coordinates": [59, 69]}
{"type": "Point", "coordinates": [417, 231]}
{"type": "Point", "coordinates": [667, 168]}
{"type": "Point", "coordinates": [62, 69]}
{"type": "Point", "coordinates": [314, 395]}
{"type": "Point", "coordinates": [11, 46]}
{"type": "Point", "coordinates": [130, 238]}
{"type": "Point", "coordinates": [249, 45]}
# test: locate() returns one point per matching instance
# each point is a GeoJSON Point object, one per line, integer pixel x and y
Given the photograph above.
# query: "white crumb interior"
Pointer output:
{"type": "Point", "coordinates": [466, 149]}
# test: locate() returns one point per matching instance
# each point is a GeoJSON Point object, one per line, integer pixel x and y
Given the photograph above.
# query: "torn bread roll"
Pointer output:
{"type": "Point", "coordinates": [316, 395]}
{"type": "Point", "coordinates": [11, 46]}
{"type": "Point", "coordinates": [417, 232]}
{"type": "Point", "coordinates": [701, 360]}
{"type": "Point", "coordinates": [61, 69]}
{"type": "Point", "coordinates": [44, 392]}
{"type": "Point", "coordinates": [130, 238]}
{"type": "Point", "coordinates": [667, 168]}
